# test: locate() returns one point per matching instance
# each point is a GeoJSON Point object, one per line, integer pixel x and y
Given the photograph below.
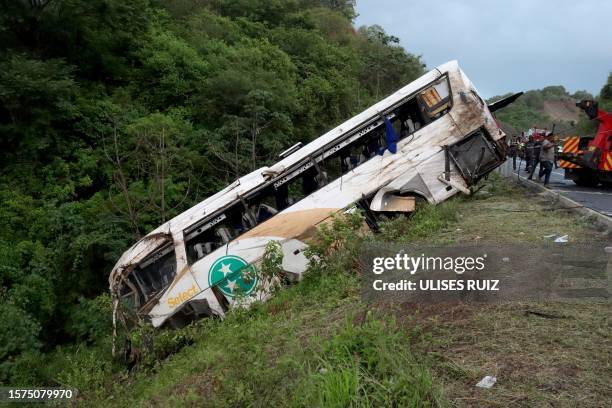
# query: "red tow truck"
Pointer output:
{"type": "Point", "coordinates": [587, 160]}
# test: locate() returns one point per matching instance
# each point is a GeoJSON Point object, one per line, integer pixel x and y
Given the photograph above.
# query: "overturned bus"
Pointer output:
{"type": "Point", "coordinates": [430, 140]}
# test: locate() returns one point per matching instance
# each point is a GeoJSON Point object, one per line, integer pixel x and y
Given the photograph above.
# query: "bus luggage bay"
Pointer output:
{"type": "Point", "coordinates": [428, 141]}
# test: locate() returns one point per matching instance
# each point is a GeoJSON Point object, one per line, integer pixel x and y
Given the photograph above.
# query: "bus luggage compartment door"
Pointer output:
{"type": "Point", "coordinates": [475, 156]}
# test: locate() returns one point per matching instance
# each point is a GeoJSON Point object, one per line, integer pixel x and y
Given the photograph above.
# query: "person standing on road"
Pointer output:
{"type": "Point", "coordinates": [537, 147]}
{"type": "Point", "coordinates": [547, 156]}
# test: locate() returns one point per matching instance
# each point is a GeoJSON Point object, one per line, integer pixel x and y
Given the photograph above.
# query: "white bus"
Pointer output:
{"type": "Point", "coordinates": [430, 140]}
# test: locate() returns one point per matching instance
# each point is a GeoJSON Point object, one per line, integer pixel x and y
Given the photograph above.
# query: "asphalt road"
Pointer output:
{"type": "Point", "coordinates": [595, 198]}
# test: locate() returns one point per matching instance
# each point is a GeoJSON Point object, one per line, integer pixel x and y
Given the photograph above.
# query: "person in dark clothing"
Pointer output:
{"type": "Point", "coordinates": [537, 147]}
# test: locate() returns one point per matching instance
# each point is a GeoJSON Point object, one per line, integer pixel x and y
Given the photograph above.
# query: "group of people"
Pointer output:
{"type": "Point", "coordinates": [536, 152]}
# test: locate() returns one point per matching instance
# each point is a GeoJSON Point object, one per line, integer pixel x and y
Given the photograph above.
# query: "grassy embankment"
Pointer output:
{"type": "Point", "coordinates": [316, 344]}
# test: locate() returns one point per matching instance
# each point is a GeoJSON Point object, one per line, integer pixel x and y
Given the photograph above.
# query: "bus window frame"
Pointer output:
{"type": "Point", "coordinates": [150, 259]}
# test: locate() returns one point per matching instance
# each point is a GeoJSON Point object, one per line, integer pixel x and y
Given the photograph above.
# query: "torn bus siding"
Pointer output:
{"type": "Point", "coordinates": [445, 140]}
{"type": "Point", "coordinates": [134, 255]}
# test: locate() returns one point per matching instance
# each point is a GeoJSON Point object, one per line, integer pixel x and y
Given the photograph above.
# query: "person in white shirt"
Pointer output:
{"type": "Point", "coordinates": [547, 157]}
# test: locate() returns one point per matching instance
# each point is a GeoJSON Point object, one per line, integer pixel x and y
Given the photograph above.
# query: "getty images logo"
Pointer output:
{"type": "Point", "coordinates": [414, 264]}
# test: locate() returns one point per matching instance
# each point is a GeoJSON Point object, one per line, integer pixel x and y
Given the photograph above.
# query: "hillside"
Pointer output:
{"type": "Point", "coordinates": [115, 116]}
{"type": "Point", "coordinates": [542, 108]}
{"type": "Point", "coordinates": [560, 111]}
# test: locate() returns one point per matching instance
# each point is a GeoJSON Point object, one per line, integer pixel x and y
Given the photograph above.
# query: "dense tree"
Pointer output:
{"type": "Point", "coordinates": [606, 94]}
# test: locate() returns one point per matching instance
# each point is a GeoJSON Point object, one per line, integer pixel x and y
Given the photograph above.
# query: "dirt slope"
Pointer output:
{"type": "Point", "coordinates": [562, 110]}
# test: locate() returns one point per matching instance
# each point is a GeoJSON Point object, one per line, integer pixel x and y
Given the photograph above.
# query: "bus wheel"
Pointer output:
{"type": "Point", "coordinates": [586, 180]}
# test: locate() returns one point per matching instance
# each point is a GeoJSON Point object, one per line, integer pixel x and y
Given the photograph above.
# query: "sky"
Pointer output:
{"type": "Point", "coordinates": [505, 45]}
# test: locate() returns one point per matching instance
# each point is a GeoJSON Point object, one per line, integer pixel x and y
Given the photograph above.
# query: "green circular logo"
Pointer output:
{"type": "Point", "coordinates": [233, 275]}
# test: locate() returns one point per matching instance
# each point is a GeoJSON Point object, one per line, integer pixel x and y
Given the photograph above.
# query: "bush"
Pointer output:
{"type": "Point", "coordinates": [18, 334]}
{"type": "Point", "coordinates": [91, 320]}
{"type": "Point", "coordinates": [24, 369]}
{"type": "Point", "coordinates": [335, 237]}
{"type": "Point", "coordinates": [149, 346]}
{"type": "Point", "coordinates": [18, 331]}
{"type": "Point", "coordinates": [86, 369]}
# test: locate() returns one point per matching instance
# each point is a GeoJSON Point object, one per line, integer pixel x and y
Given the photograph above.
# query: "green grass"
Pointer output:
{"type": "Point", "coordinates": [361, 367]}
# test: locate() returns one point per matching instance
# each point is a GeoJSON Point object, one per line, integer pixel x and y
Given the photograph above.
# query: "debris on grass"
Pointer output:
{"type": "Point", "coordinates": [487, 382]}
{"type": "Point", "coordinates": [545, 315]}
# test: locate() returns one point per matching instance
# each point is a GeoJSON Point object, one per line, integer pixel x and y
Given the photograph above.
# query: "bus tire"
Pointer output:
{"type": "Point", "coordinates": [586, 180]}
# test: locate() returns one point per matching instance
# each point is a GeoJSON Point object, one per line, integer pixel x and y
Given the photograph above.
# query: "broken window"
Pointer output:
{"type": "Point", "coordinates": [203, 238]}
{"type": "Point", "coordinates": [475, 155]}
{"type": "Point", "coordinates": [435, 100]}
{"type": "Point", "coordinates": [259, 207]}
{"type": "Point", "coordinates": [153, 274]}
{"type": "Point", "coordinates": [410, 118]}
{"type": "Point", "coordinates": [290, 191]}
{"type": "Point", "coordinates": [130, 297]}
{"type": "Point", "coordinates": [360, 151]}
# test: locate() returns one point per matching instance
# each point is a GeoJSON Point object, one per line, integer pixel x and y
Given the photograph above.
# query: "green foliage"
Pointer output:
{"type": "Point", "coordinates": [332, 238]}
{"type": "Point", "coordinates": [19, 332]}
{"type": "Point", "coordinates": [272, 260]}
{"type": "Point", "coordinates": [85, 369]}
{"type": "Point", "coordinates": [172, 73]}
{"type": "Point", "coordinates": [383, 57]}
{"type": "Point", "coordinates": [150, 347]}
{"type": "Point", "coordinates": [35, 96]}
{"type": "Point", "coordinates": [91, 320]}
{"type": "Point", "coordinates": [526, 112]}
{"type": "Point", "coordinates": [605, 96]}
{"type": "Point", "coordinates": [498, 186]}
